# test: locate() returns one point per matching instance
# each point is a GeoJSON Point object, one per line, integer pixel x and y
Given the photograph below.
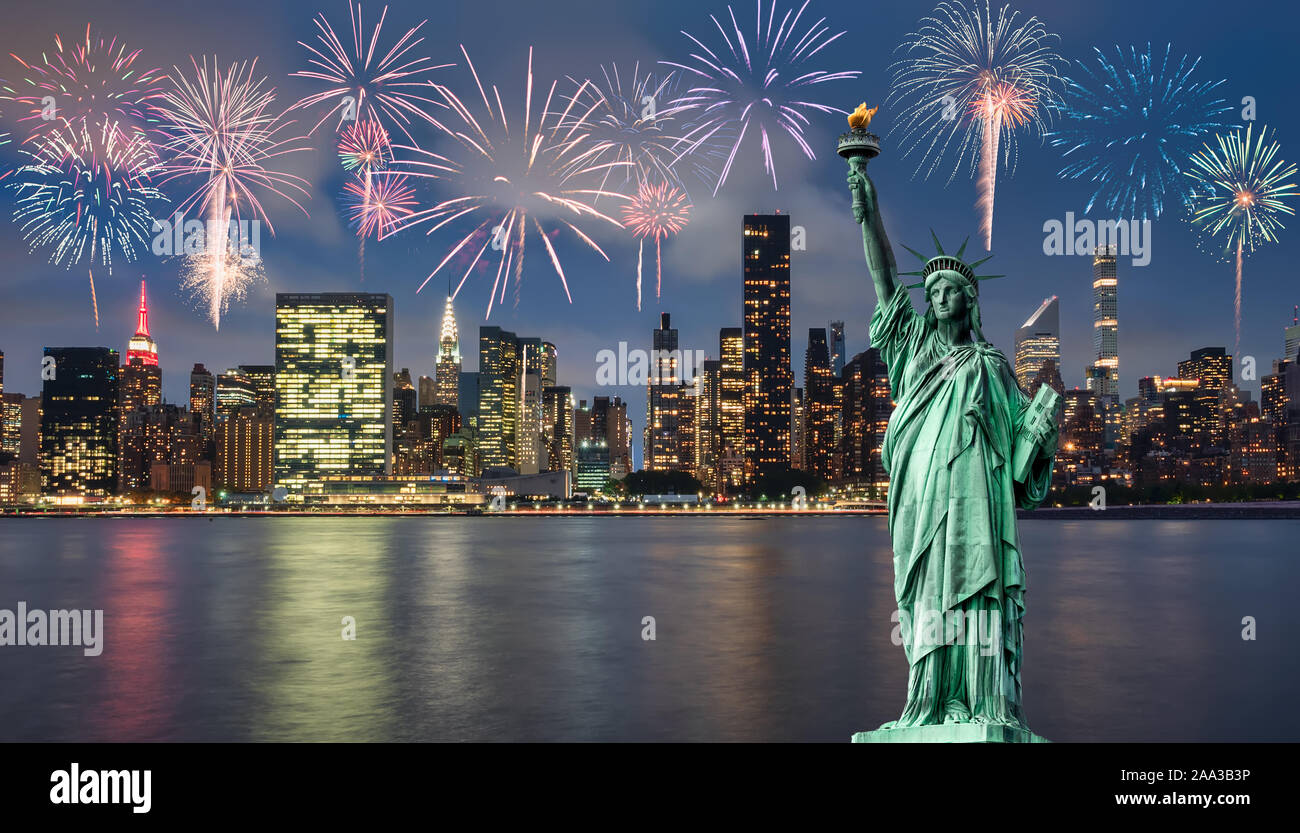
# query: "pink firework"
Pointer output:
{"type": "Point", "coordinates": [84, 85]}
{"type": "Point", "coordinates": [222, 131]}
{"type": "Point", "coordinates": [376, 208]}
{"type": "Point", "coordinates": [656, 211]}
{"type": "Point", "coordinates": [364, 147]}
{"type": "Point", "coordinates": [362, 81]}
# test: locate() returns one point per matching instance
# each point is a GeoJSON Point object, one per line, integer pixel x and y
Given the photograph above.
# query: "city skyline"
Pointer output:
{"type": "Point", "coordinates": [318, 254]}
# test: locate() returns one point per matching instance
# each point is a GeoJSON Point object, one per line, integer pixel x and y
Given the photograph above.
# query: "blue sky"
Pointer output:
{"type": "Point", "coordinates": [1180, 302]}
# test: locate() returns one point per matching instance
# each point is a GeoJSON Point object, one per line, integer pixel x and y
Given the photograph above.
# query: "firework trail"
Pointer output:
{"type": "Point", "coordinates": [656, 211]}
{"type": "Point", "coordinates": [86, 192]}
{"type": "Point", "coordinates": [756, 86]}
{"type": "Point", "coordinates": [970, 79]}
{"type": "Point", "coordinates": [503, 179]}
{"type": "Point", "coordinates": [1237, 196]}
{"type": "Point", "coordinates": [222, 131]}
{"type": "Point", "coordinates": [635, 119]}
{"type": "Point", "coordinates": [1131, 120]}
{"type": "Point", "coordinates": [389, 89]}
{"type": "Point", "coordinates": [94, 302]}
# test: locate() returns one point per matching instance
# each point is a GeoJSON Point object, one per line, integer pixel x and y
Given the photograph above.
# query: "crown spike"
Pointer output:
{"type": "Point", "coordinates": [976, 264]}
{"type": "Point", "coordinates": [937, 246]}
{"type": "Point", "coordinates": [963, 246]}
{"type": "Point", "coordinates": [922, 257]}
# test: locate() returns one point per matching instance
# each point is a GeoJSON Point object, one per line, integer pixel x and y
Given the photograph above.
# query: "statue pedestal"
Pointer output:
{"type": "Point", "coordinates": [950, 733]}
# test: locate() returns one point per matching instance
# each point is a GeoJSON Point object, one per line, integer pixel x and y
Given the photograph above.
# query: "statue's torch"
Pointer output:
{"type": "Point", "coordinates": [859, 146]}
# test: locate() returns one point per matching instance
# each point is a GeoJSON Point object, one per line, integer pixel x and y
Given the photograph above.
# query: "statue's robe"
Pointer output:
{"type": "Point", "coordinates": [952, 517]}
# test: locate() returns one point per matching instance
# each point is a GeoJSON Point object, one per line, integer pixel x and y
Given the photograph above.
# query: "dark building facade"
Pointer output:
{"type": "Point", "coordinates": [79, 425]}
{"type": "Point", "coordinates": [769, 381]}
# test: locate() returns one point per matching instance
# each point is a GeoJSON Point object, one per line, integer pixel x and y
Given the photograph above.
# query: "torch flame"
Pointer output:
{"type": "Point", "coordinates": [860, 118]}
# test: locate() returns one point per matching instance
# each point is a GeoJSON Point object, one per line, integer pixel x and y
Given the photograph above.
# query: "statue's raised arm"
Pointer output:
{"type": "Point", "coordinates": [875, 243]}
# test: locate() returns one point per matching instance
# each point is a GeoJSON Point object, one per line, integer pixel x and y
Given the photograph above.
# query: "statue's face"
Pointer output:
{"type": "Point", "coordinates": [947, 300]}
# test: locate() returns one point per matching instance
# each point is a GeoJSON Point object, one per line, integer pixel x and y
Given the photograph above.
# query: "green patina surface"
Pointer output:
{"type": "Point", "coordinates": [964, 449]}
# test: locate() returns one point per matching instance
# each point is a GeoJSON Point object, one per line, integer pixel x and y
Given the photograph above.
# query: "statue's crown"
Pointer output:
{"type": "Point", "coordinates": [944, 262]}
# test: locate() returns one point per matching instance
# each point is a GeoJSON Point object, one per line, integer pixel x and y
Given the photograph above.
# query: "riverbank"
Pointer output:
{"type": "Point", "coordinates": [1262, 510]}
{"type": "Point", "coordinates": [1271, 510]}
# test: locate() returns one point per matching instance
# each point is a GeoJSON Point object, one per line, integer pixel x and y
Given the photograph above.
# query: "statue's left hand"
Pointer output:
{"type": "Point", "coordinates": [864, 195]}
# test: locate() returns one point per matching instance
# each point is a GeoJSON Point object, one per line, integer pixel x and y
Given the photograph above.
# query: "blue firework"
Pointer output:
{"type": "Point", "coordinates": [1132, 120]}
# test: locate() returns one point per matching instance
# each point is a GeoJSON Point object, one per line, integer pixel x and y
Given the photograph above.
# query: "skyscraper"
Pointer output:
{"type": "Point", "coordinates": [798, 459]}
{"type": "Point", "coordinates": [1037, 341]}
{"type": "Point", "coordinates": [819, 407]}
{"type": "Point", "coordinates": [1291, 339]}
{"type": "Point", "coordinates": [530, 430]}
{"type": "Point", "coordinates": [139, 392]}
{"type": "Point", "coordinates": [405, 401]}
{"type": "Point", "coordinates": [765, 255]}
{"type": "Point", "coordinates": [499, 371]}
{"type": "Point", "coordinates": [663, 401]}
{"type": "Point", "coordinates": [234, 391]}
{"type": "Point", "coordinates": [1212, 367]}
{"type": "Point", "coordinates": [79, 426]}
{"type": "Point", "coordinates": [557, 405]}
{"type": "Point", "coordinates": [609, 422]}
{"type": "Point", "coordinates": [203, 400]}
{"type": "Point", "coordinates": [140, 387]}
{"type": "Point", "coordinates": [837, 349]}
{"type": "Point", "coordinates": [447, 369]}
{"type": "Point", "coordinates": [334, 386]}
{"type": "Point", "coordinates": [262, 378]}
{"type": "Point", "coordinates": [141, 346]}
{"type": "Point", "coordinates": [467, 398]}
{"type": "Point", "coordinates": [707, 424]}
{"type": "Point", "coordinates": [245, 459]}
{"type": "Point", "coordinates": [867, 406]}
{"type": "Point", "coordinates": [550, 364]}
{"type": "Point", "coordinates": [1102, 376]}
{"type": "Point", "coordinates": [731, 409]}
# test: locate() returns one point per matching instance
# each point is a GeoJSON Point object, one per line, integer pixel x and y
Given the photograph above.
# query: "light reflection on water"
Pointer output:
{"type": "Point", "coordinates": [530, 629]}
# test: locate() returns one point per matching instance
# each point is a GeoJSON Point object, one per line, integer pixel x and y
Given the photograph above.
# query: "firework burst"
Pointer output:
{"type": "Point", "coordinates": [504, 181]}
{"type": "Point", "coordinates": [241, 266]}
{"type": "Point", "coordinates": [756, 87]}
{"type": "Point", "coordinates": [376, 208]}
{"type": "Point", "coordinates": [1131, 120]}
{"type": "Point", "coordinates": [81, 87]}
{"type": "Point", "coordinates": [634, 119]}
{"type": "Point", "coordinates": [87, 192]}
{"type": "Point", "coordinates": [388, 88]}
{"type": "Point", "coordinates": [222, 132]}
{"type": "Point", "coordinates": [1237, 195]}
{"type": "Point", "coordinates": [364, 147]}
{"type": "Point", "coordinates": [655, 212]}
{"type": "Point", "coordinates": [968, 81]}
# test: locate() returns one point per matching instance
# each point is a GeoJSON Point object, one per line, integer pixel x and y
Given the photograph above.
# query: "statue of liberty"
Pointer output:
{"type": "Point", "coordinates": [964, 448]}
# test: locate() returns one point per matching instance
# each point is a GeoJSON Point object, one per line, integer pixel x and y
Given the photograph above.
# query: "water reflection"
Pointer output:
{"type": "Point", "coordinates": [530, 629]}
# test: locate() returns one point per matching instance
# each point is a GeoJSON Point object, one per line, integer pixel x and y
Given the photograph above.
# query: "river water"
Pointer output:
{"type": "Point", "coordinates": [518, 628]}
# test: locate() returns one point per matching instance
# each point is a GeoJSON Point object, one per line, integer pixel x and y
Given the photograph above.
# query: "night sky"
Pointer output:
{"type": "Point", "coordinates": [1180, 302]}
